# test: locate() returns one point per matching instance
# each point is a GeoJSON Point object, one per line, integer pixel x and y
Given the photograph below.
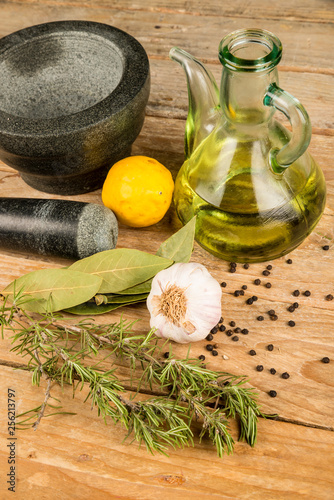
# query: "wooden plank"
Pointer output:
{"type": "Point", "coordinates": [306, 44]}
{"type": "Point", "coordinates": [297, 10]}
{"type": "Point", "coordinates": [80, 457]}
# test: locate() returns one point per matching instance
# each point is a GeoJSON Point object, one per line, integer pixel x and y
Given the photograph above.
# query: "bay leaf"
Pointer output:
{"type": "Point", "coordinates": [138, 289]}
{"type": "Point", "coordinates": [180, 245]}
{"type": "Point", "coordinates": [91, 308]}
{"type": "Point", "coordinates": [50, 290]}
{"type": "Point", "coordinates": [121, 268]}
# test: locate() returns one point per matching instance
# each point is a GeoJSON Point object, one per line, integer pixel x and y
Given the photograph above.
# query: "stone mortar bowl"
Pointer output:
{"type": "Point", "coordinates": [72, 101]}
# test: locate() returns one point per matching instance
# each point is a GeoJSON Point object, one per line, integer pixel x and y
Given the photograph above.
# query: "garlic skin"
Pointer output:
{"type": "Point", "coordinates": [184, 303]}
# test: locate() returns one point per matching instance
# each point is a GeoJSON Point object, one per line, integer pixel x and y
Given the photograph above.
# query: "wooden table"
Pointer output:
{"type": "Point", "coordinates": [78, 456]}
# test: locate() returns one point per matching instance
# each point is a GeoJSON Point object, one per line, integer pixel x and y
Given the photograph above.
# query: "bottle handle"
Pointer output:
{"type": "Point", "coordinates": [282, 158]}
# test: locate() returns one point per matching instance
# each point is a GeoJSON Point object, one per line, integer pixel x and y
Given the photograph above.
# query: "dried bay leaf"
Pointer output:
{"type": "Point", "coordinates": [121, 268]}
{"type": "Point", "coordinates": [50, 290]}
{"type": "Point", "coordinates": [180, 245]}
{"type": "Point", "coordinates": [90, 308]}
{"type": "Point", "coordinates": [138, 289]}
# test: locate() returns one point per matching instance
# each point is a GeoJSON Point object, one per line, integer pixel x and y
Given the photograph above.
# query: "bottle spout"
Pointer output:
{"type": "Point", "coordinates": [203, 95]}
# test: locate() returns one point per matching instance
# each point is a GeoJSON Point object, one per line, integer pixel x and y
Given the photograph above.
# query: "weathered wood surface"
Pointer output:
{"type": "Point", "coordinates": [78, 456]}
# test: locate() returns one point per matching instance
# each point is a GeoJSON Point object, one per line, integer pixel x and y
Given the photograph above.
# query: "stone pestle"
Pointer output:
{"type": "Point", "coordinates": [59, 228]}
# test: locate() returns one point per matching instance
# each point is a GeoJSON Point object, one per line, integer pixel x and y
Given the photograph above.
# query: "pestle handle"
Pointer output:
{"type": "Point", "coordinates": [60, 228]}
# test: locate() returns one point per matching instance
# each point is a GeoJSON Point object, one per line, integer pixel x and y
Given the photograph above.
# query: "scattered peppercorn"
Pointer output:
{"type": "Point", "coordinates": [254, 298]}
{"type": "Point", "coordinates": [295, 305]}
{"type": "Point", "coordinates": [232, 323]}
{"type": "Point", "coordinates": [209, 337]}
{"type": "Point", "coordinates": [232, 269]}
{"type": "Point", "coordinates": [249, 301]}
{"type": "Point", "coordinates": [252, 352]}
{"type": "Point", "coordinates": [222, 328]}
{"type": "Point", "coordinates": [291, 323]}
{"type": "Point", "coordinates": [209, 347]}
{"type": "Point", "coordinates": [214, 329]}
{"type": "Point", "coordinates": [325, 247]}
{"type": "Point", "coordinates": [270, 347]}
{"type": "Point", "coordinates": [265, 272]}
{"type": "Point", "coordinates": [269, 267]}
{"type": "Point", "coordinates": [268, 285]}
{"type": "Point", "coordinates": [329, 297]}
{"type": "Point", "coordinates": [257, 282]}
{"type": "Point", "coordinates": [272, 394]}
{"type": "Point", "coordinates": [236, 293]}
{"type": "Point", "coordinates": [291, 308]}
{"type": "Point", "coordinates": [289, 261]}
{"type": "Point", "coordinates": [296, 293]}
{"type": "Point", "coordinates": [237, 330]}
{"type": "Point", "coordinates": [272, 371]}
{"type": "Point", "coordinates": [235, 338]}
{"type": "Point", "coordinates": [241, 292]}
{"type": "Point", "coordinates": [274, 317]}
{"type": "Point", "coordinates": [214, 352]}
{"type": "Point", "coordinates": [246, 266]}
{"type": "Point", "coordinates": [223, 284]}
{"type": "Point", "coordinates": [325, 360]}
{"type": "Point", "coordinates": [307, 293]}
{"type": "Point", "coordinates": [271, 312]}
{"type": "Point", "coordinates": [285, 375]}
{"type": "Point", "coordinates": [201, 357]}
{"type": "Point", "coordinates": [260, 318]}
{"type": "Point", "coordinates": [259, 368]}
{"type": "Point", "coordinates": [166, 355]}
{"type": "Point", "coordinates": [229, 333]}
{"type": "Point", "coordinates": [244, 287]}
{"type": "Point", "coordinates": [233, 264]}
{"type": "Point", "coordinates": [245, 331]}
{"type": "Point", "coordinates": [221, 320]}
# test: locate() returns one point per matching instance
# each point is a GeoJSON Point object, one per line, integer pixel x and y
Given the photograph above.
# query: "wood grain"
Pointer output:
{"type": "Point", "coordinates": [79, 457]}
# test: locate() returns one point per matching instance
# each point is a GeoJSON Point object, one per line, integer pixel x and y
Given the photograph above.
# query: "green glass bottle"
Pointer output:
{"type": "Point", "coordinates": [256, 191]}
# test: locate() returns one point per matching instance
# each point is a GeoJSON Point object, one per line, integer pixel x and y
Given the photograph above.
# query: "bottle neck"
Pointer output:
{"type": "Point", "coordinates": [242, 94]}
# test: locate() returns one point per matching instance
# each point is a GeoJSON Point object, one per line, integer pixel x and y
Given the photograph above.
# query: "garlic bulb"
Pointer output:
{"type": "Point", "coordinates": [184, 302]}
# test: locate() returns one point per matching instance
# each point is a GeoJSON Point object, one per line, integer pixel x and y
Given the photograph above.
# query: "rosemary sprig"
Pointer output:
{"type": "Point", "coordinates": [64, 354]}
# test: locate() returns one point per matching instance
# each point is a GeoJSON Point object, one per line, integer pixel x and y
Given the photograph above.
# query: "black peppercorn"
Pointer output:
{"type": "Point", "coordinates": [266, 272]}
{"type": "Point", "coordinates": [244, 287]}
{"type": "Point", "coordinates": [289, 261]}
{"type": "Point", "coordinates": [259, 368]}
{"type": "Point", "coordinates": [241, 292]}
{"type": "Point", "coordinates": [237, 330]}
{"type": "Point", "coordinates": [285, 375]}
{"type": "Point", "coordinates": [214, 329]}
{"type": "Point", "coordinates": [229, 333]}
{"type": "Point", "coordinates": [209, 337]}
{"type": "Point", "coordinates": [222, 328]}
{"type": "Point", "coordinates": [232, 323]}
{"type": "Point", "coordinates": [291, 309]}
{"type": "Point", "coordinates": [254, 298]}
{"type": "Point", "coordinates": [236, 293]}
{"type": "Point", "coordinates": [270, 347]}
{"type": "Point", "coordinates": [274, 317]}
{"type": "Point", "coordinates": [249, 301]}
{"type": "Point", "coordinates": [271, 312]}
{"type": "Point", "coordinates": [223, 284]}
{"type": "Point", "coordinates": [209, 347]}
{"type": "Point", "coordinates": [166, 355]}
{"type": "Point", "coordinates": [245, 331]}
{"type": "Point", "coordinates": [296, 293]}
{"type": "Point", "coordinates": [233, 264]}
{"type": "Point", "coordinates": [201, 357]}
{"type": "Point", "coordinates": [235, 338]}
{"type": "Point", "coordinates": [325, 360]}
{"type": "Point", "coordinates": [214, 352]}
{"type": "Point", "coordinates": [269, 267]}
{"type": "Point", "coordinates": [295, 305]}
{"type": "Point", "coordinates": [272, 371]}
{"type": "Point", "coordinates": [260, 318]}
{"type": "Point", "coordinates": [268, 285]}
{"type": "Point", "coordinates": [291, 323]}
{"type": "Point", "coordinates": [252, 352]}
{"type": "Point", "coordinates": [257, 282]}
{"type": "Point", "coordinates": [246, 266]}
{"type": "Point", "coordinates": [272, 394]}
{"type": "Point", "coordinates": [307, 293]}
{"type": "Point", "coordinates": [232, 270]}
{"type": "Point", "coordinates": [329, 297]}
{"type": "Point", "coordinates": [221, 320]}
{"type": "Point", "coordinates": [325, 247]}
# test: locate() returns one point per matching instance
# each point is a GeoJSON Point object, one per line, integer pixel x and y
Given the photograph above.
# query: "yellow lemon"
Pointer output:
{"type": "Point", "coordinates": [138, 190]}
